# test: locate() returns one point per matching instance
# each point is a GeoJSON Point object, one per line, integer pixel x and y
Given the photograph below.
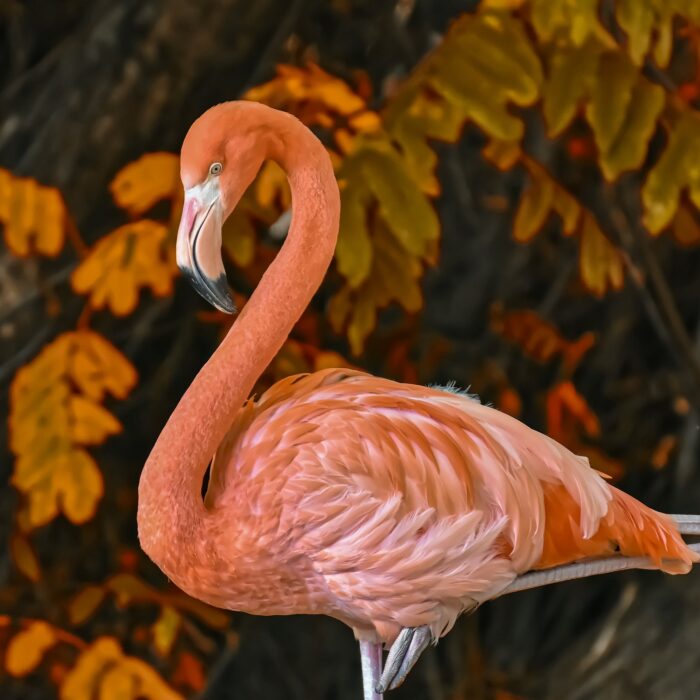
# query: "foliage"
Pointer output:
{"type": "Point", "coordinates": [556, 93]}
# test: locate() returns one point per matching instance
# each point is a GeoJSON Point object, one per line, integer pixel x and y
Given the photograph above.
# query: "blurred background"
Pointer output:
{"type": "Point", "coordinates": [521, 188]}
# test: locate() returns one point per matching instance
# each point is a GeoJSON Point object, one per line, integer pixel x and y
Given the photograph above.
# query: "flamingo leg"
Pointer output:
{"type": "Point", "coordinates": [404, 653]}
{"type": "Point", "coordinates": [371, 657]}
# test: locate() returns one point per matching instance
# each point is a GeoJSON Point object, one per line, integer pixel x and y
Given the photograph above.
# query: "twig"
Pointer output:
{"type": "Point", "coordinates": [53, 281]}
{"type": "Point", "coordinates": [8, 368]}
{"type": "Point", "coordinates": [661, 307]}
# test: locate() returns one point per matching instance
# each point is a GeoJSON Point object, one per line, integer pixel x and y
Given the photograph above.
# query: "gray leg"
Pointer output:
{"type": "Point", "coordinates": [404, 653]}
{"type": "Point", "coordinates": [371, 656]}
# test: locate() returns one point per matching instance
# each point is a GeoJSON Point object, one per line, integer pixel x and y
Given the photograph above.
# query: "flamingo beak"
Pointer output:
{"type": "Point", "coordinates": [198, 249]}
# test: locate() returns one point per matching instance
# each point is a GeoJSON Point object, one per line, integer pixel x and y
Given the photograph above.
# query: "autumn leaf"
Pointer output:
{"type": "Point", "coordinates": [573, 71]}
{"type": "Point", "coordinates": [34, 217]}
{"type": "Point", "coordinates": [623, 111]}
{"type": "Point", "coordinates": [85, 603]}
{"type": "Point", "coordinates": [600, 263]}
{"type": "Point", "coordinates": [539, 339]}
{"type": "Point", "coordinates": [570, 419]}
{"type": "Point", "coordinates": [685, 227]}
{"type": "Point", "coordinates": [567, 408]}
{"type": "Point", "coordinates": [649, 26]}
{"type": "Point", "coordinates": [189, 671]}
{"type": "Point", "coordinates": [129, 589]}
{"type": "Point", "coordinates": [104, 671]}
{"type": "Point", "coordinates": [394, 276]}
{"type": "Point", "coordinates": [24, 557]}
{"type": "Point", "coordinates": [485, 62]}
{"type": "Point", "coordinates": [316, 97]}
{"type": "Point", "coordinates": [571, 20]}
{"type": "Point", "coordinates": [55, 412]}
{"type": "Point", "coordinates": [140, 185]}
{"type": "Point", "coordinates": [165, 630]}
{"type": "Point", "coordinates": [263, 202]}
{"type": "Point", "coordinates": [675, 172]}
{"type": "Point", "coordinates": [122, 262]}
{"type": "Point", "coordinates": [27, 648]}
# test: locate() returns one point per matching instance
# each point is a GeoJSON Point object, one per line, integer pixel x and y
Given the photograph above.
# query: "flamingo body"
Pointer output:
{"type": "Point", "coordinates": [390, 505]}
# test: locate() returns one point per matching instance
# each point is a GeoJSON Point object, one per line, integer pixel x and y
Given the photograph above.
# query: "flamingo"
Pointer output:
{"type": "Point", "coordinates": [391, 507]}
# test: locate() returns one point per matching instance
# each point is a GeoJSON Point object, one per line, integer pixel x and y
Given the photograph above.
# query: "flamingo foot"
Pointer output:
{"type": "Point", "coordinates": [371, 656]}
{"type": "Point", "coordinates": [404, 653]}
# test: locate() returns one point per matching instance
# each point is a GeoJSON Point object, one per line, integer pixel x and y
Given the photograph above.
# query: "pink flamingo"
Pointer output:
{"type": "Point", "coordinates": [391, 507]}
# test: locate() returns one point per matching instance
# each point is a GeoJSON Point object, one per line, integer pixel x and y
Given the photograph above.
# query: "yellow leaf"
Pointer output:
{"type": "Point", "coordinates": [54, 412]}
{"type": "Point", "coordinates": [165, 629]}
{"type": "Point", "coordinates": [84, 604]}
{"type": "Point", "coordinates": [600, 262]}
{"type": "Point", "coordinates": [140, 185]}
{"type": "Point", "coordinates": [677, 168]}
{"type": "Point", "coordinates": [33, 217]}
{"type": "Point", "coordinates": [664, 41]}
{"type": "Point", "coordinates": [572, 20]}
{"type": "Point", "coordinates": [533, 210]}
{"type": "Point", "coordinates": [629, 149]}
{"type": "Point", "coordinates": [394, 276]}
{"type": "Point", "coordinates": [572, 73]}
{"type": "Point", "coordinates": [27, 648]}
{"type": "Point", "coordinates": [543, 196]}
{"type": "Point", "coordinates": [103, 672]}
{"type": "Point", "coordinates": [403, 206]}
{"type": "Point", "coordinates": [238, 238]}
{"type": "Point", "coordinates": [637, 20]}
{"type": "Point", "coordinates": [25, 558]}
{"type": "Point", "coordinates": [271, 187]}
{"type": "Point", "coordinates": [133, 256]}
{"type": "Point", "coordinates": [612, 94]}
{"type": "Point", "coordinates": [353, 251]}
{"type": "Point", "coordinates": [362, 321]}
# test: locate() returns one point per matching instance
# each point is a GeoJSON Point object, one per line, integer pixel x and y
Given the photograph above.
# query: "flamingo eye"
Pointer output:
{"type": "Point", "coordinates": [215, 168]}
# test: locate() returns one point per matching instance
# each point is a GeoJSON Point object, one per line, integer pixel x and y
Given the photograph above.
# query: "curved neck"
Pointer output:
{"type": "Point", "coordinates": [170, 507]}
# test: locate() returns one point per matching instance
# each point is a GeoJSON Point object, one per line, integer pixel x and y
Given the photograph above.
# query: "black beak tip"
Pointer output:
{"type": "Point", "coordinates": [215, 291]}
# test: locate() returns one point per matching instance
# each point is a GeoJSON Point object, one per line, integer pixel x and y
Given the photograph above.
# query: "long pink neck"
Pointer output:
{"type": "Point", "coordinates": [171, 513]}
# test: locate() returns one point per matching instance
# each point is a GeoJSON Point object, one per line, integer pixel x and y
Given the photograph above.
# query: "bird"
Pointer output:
{"type": "Point", "coordinates": [391, 507]}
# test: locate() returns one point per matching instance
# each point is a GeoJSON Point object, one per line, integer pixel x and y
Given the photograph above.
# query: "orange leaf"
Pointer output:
{"type": "Point", "coordinates": [662, 452]}
{"type": "Point", "coordinates": [27, 648]}
{"type": "Point", "coordinates": [25, 558]}
{"type": "Point", "coordinates": [140, 185]}
{"type": "Point", "coordinates": [189, 671]}
{"type": "Point", "coordinates": [103, 671]}
{"type": "Point", "coordinates": [685, 227]}
{"type": "Point", "coordinates": [54, 413]}
{"type": "Point", "coordinates": [314, 95]}
{"type": "Point", "coordinates": [133, 256]}
{"type": "Point", "coordinates": [566, 409]}
{"type": "Point", "coordinates": [34, 217]}
{"type": "Point", "coordinates": [539, 339]}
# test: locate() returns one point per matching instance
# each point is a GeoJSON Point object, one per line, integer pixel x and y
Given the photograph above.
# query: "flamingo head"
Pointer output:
{"type": "Point", "coordinates": [221, 154]}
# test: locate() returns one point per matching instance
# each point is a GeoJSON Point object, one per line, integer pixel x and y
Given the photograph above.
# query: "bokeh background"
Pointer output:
{"type": "Point", "coordinates": [521, 185]}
